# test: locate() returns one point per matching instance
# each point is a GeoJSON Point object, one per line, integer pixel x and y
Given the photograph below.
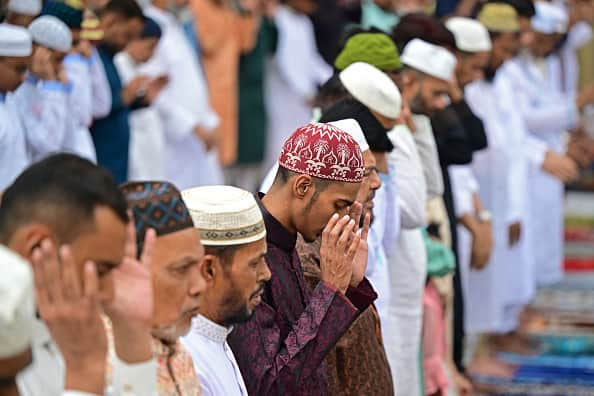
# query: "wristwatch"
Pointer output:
{"type": "Point", "coordinates": [484, 215]}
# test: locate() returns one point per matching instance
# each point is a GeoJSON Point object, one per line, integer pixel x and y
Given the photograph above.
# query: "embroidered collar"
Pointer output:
{"type": "Point", "coordinates": [210, 330]}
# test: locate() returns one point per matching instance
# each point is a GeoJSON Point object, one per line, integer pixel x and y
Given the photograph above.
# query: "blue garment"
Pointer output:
{"type": "Point", "coordinates": [111, 134]}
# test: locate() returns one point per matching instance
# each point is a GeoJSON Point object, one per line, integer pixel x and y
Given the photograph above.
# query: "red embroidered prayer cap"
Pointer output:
{"type": "Point", "coordinates": [323, 151]}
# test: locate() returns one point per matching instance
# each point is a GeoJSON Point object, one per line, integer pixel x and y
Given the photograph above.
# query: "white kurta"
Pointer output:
{"type": "Point", "coordinates": [547, 114]}
{"type": "Point", "coordinates": [500, 169]}
{"type": "Point", "coordinates": [13, 147]}
{"type": "Point", "coordinates": [42, 107]}
{"type": "Point", "coordinates": [292, 79]}
{"type": "Point", "coordinates": [46, 375]}
{"type": "Point", "coordinates": [214, 361]}
{"type": "Point", "coordinates": [183, 105]}
{"type": "Point", "coordinates": [77, 138]}
{"type": "Point", "coordinates": [407, 265]}
{"type": "Point", "coordinates": [147, 139]}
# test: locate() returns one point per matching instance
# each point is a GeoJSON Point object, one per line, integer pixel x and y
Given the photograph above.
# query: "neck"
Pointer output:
{"type": "Point", "coordinates": [210, 311]}
{"type": "Point", "coordinates": [275, 203]}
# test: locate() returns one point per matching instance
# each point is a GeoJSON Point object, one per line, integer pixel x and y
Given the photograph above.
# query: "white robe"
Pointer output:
{"type": "Point", "coordinates": [13, 147]}
{"type": "Point", "coordinates": [183, 105]}
{"type": "Point", "coordinates": [407, 265]}
{"type": "Point", "coordinates": [501, 170]}
{"type": "Point", "coordinates": [89, 97]}
{"type": "Point", "coordinates": [46, 375]}
{"type": "Point", "coordinates": [547, 114]}
{"type": "Point", "coordinates": [147, 138]}
{"type": "Point", "coordinates": [43, 107]}
{"type": "Point", "coordinates": [214, 362]}
{"type": "Point", "coordinates": [292, 79]}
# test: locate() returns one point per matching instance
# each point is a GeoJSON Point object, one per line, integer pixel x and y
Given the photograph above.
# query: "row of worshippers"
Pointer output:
{"type": "Point", "coordinates": [409, 168]}
{"type": "Point", "coordinates": [79, 87]}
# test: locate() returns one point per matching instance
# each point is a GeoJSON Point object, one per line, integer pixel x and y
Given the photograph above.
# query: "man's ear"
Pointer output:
{"type": "Point", "coordinates": [210, 267]}
{"type": "Point", "coordinates": [29, 238]}
{"type": "Point", "coordinates": [302, 186]}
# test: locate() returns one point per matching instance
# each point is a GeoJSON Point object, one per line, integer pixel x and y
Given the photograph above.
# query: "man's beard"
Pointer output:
{"type": "Point", "coordinates": [417, 105]}
{"type": "Point", "coordinates": [489, 73]}
{"type": "Point", "coordinates": [236, 307]}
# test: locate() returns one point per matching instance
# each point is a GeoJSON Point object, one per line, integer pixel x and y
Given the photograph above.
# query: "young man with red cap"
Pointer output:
{"type": "Point", "coordinates": [281, 350]}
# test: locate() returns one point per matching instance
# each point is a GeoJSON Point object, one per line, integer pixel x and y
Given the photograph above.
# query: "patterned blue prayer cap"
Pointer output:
{"type": "Point", "coordinates": [157, 205]}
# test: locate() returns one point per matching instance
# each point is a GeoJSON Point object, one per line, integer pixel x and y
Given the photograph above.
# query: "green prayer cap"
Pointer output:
{"type": "Point", "coordinates": [377, 49]}
{"type": "Point", "coordinates": [499, 17]}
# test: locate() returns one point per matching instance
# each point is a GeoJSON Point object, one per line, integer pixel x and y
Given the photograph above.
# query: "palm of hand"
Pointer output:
{"type": "Point", "coordinates": [133, 291]}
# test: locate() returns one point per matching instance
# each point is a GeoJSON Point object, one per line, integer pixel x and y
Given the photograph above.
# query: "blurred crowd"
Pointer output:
{"type": "Point", "coordinates": [297, 197]}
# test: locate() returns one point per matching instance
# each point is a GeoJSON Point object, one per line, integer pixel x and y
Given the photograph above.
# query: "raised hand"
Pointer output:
{"type": "Point", "coordinates": [41, 64]}
{"type": "Point", "coordinates": [361, 257]}
{"type": "Point", "coordinates": [131, 311]}
{"type": "Point", "coordinates": [70, 308]}
{"type": "Point", "coordinates": [339, 247]}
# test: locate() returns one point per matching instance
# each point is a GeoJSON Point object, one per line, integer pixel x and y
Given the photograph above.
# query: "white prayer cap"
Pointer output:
{"type": "Point", "coordinates": [50, 32]}
{"type": "Point", "coordinates": [430, 59]}
{"type": "Point", "coordinates": [14, 41]}
{"type": "Point", "coordinates": [353, 128]}
{"type": "Point", "coordinates": [549, 18]}
{"type": "Point", "coordinates": [225, 215]}
{"type": "Point", "coordinates": [25, 7]}
{"type": "Point", "coordinates": [470, 34]}
{"type": "Point", "coordinates": [372, 87]}
{"type": "Point", "coordinates": [17, 311]}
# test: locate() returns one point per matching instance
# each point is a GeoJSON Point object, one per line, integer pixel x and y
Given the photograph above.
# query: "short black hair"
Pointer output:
{"type": "Point", "coordinates": [283, 175]}
{"type": "Point", "coordinates": [224, 253]}
{"type": "Point", "coordinates": [61, 191]}
{"type": "Point", "coordinates": [424, 27]}
{"type": "Point", "coordinates": [129, 9]}
{"type": "Point", "coordinates": [330, 92]}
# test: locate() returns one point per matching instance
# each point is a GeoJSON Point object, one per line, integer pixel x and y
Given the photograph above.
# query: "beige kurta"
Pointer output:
{"type": "Point", "coordinates": [223, 35]}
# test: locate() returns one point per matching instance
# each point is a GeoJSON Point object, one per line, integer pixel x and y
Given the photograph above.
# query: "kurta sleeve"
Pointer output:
{"type": "Point", "coordinates": [427, 149]}
{"type": "Point", "coordinates": [42, 108]}
{"type": "Point", "coordinates": [100, 91]}
{"type": "Point", "coordinates": [274, 366]}
{"type": "Point", "coordinates": [139, 379]}
{"type": "Point", "coordinates": [391, 223]}
{"type": "Point", "coordinates": [78, 71]}
{"type": "Point", "coordinates": [412, 190]}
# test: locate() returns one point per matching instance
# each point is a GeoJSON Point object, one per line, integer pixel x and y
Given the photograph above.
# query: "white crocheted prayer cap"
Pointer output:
{"type": "Point", "coordinates": [25, 7]}
{"type": "Point", "coordinates": [549, 18]}
{"type": "Point", "coordinates": [372, 87]}
{"type": "Point", "coordinates": [430, 59]}
{"type": "Point", "coordinates": [470, 35]}
{"type": "Point", "coordinates": [225, 215]}
{"type": "Point", "coordinates": [15, 41]}
{"type": "Point", "coordinates": [17, 310]}
{"type": "Point", "coordinates": [48, 31]}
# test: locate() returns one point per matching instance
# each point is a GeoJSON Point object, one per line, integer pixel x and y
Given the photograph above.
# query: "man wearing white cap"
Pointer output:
{"type": "Point", "coordinates": [42, 99]}
{"type": "Point", "coordinates": [22, 12]}
{"type": "Point", "coordinates": [495, 295]}
{"type": "Point", "coordinates": [426, 80]}
{"type": "Point", "coordinates": [233, 233]}
{"type": "Point", "coordinates": [15, 50]}
{"type": "Point", "coordinates": [547, 114]}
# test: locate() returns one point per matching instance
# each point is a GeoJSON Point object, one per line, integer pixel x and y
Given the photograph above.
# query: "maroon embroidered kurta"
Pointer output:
{"type": "Point", "coordinates": [281, 350]}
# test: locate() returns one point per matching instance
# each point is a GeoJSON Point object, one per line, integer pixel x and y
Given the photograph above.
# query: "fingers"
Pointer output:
{"type": "Point", "coordinates": [51, 271]}
{"type": "Point", "coordinates": [42, 294]}
{"type": "Point", "coordinates": [356, 212]}
{"type": "Point", "coordinates": [146, 257]}
{"type": "Point", "coordinates": [330, 226]}
{"type": "Point", "coordinates": [71, 286]}
{"type": "Point", "coordinates": [354, 246]}
{"type": "Point", "coordinates": [346, 234]}
{"type": "Point", "coordinates": [91, 281]}
{"type": "Point", "coordinates": [130, 249]}
{"type": "Point", "coordinates": [366, 225]}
